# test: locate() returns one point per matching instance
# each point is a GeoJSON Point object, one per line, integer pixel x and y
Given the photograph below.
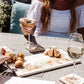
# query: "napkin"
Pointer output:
{"type": "Point", "coordinates": [17, 80]}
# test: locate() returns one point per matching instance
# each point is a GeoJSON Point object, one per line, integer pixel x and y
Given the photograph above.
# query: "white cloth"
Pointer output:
{"type": "Point", "coordinates": [34, 1]}
{"type": "Point", "coordinates": [17, 80]}
{"type": "Point", "coordinates": [60, 20]}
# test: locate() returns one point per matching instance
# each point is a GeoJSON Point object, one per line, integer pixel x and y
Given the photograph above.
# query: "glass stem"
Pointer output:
{"type": "Point", "coordinates": [29, 38]}
{"type": "Point", "coordinates": [74, 63]}
{"type": "Point", "coordinates": [74, 66]}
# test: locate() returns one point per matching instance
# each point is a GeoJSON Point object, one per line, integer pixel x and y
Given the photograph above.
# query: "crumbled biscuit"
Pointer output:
{"type": "Point", "coordinates": [8, 53]}
{"type": "Point", "coordinates": [57, 53]}
{"type": "Point", "coordinates": [20, 55]}
{"type": "Point", "coordinates": [50, 52]}
{"type": "Point", "coordinates": [9, 60]}
{"type": "Point", "coordinates": [19, 58]}
{"type": "Point", "coordinates": [18, 64]}
{"type": "Point", "coordinates": [14, 59]}
{"type": "Point", "coordinates": [46, 52]}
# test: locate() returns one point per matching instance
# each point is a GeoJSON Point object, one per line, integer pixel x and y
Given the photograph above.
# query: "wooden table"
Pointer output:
{"type": "Point", "coordinates": [17, 41]}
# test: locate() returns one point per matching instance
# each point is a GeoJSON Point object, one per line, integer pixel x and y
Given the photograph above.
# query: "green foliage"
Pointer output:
{"type": "Point", "coordinates": [5, 11]}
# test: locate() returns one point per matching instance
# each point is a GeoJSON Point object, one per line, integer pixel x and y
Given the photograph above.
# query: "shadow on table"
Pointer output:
{"type": "Point", "coordinates": [4, 79]}
{"type": "Point", "coordinates": [2, 68]}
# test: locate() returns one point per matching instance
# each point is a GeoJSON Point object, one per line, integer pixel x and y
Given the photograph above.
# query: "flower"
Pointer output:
{"type": "Point", "coordinates": [5, 11]}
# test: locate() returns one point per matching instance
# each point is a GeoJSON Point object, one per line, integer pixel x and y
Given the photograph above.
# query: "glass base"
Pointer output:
{"type": "Point", "coordinates": [27, 47]}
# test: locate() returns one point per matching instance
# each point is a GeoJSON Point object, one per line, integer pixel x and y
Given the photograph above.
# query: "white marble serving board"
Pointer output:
{"type": "Point", "coordinates": [39, 63]}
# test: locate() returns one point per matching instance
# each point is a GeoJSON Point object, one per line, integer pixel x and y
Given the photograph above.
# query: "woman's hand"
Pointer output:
{"type": "Point", "coordinates": [26, 24]}
{"type": "Point", "coordinates": [3, 58]}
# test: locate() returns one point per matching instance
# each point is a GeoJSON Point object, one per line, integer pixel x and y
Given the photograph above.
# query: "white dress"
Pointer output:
{"type": "Point", "coordinates": [60, 20]}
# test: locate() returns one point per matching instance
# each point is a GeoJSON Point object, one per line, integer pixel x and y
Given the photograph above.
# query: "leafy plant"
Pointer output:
{"type": "Point", "coordinates": [5, 10]}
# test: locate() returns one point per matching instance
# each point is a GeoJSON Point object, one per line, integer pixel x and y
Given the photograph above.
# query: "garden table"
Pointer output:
{"type": "Point", "coordinates": [17, 41]}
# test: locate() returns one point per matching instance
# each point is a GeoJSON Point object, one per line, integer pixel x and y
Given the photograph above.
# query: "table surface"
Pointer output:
{"type": "Point", "coordinates": [17, 41]}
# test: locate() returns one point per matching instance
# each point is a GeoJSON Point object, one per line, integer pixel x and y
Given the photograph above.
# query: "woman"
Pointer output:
{"type": "Point", "coordinates": [54, 18]}
{"type": "Point", "coordinates": [57, 18]}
